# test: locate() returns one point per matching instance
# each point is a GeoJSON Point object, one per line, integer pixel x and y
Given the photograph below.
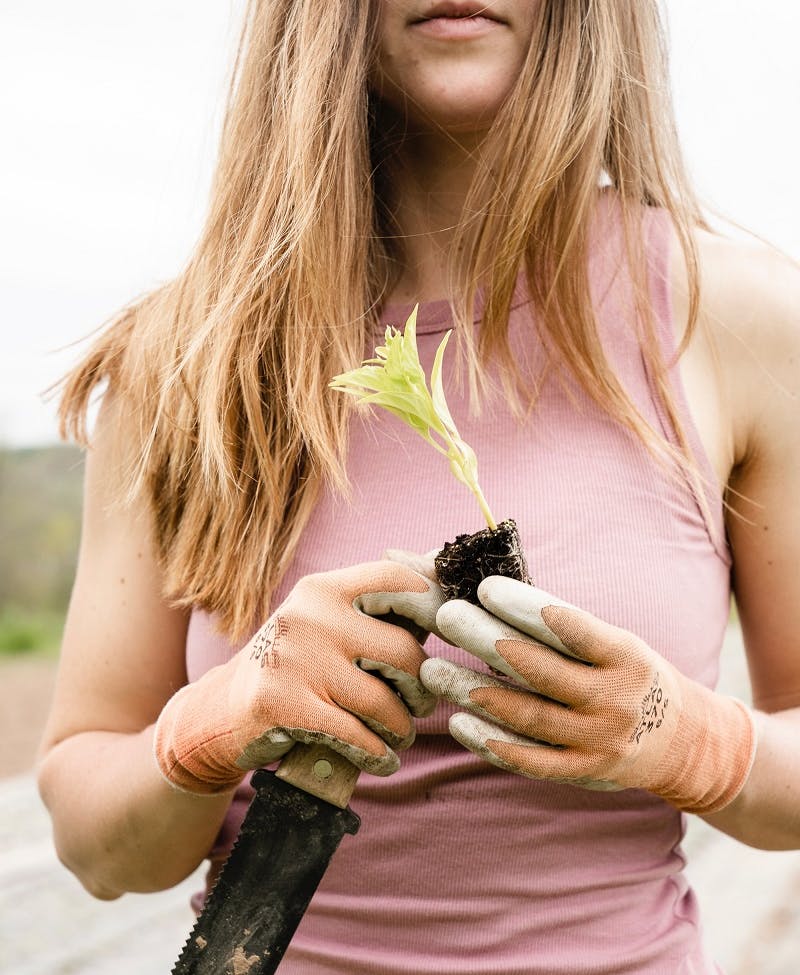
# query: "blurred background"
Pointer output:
{"type": "Point", "coordinates": [110, 115]}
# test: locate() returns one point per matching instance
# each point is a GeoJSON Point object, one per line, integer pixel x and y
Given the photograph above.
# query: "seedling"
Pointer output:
{"type": "Point", "coordinates": [395, 380]}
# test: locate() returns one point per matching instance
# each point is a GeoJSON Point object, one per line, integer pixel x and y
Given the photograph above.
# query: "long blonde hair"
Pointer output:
{"type": "Point", "coordinates": [225, 369]}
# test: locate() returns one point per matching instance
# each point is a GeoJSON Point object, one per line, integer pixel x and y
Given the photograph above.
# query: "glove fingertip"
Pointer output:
{"type": "Point", "coordinates": [421, 564]}
{"type": "Point", "coordinates": [382, 766]}
{"type": "Point", "coordinates": [436, 674]}
{"type": "Point", "coordinates": [467, 727]}
{"type": "Point", "coordinates": [424, 705]}
{"type": "Point", "coordinates": [456, 617]}
{"type": "Point", "coordinates": [467, 730]}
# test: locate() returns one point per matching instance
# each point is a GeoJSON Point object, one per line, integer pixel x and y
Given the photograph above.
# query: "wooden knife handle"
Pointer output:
{"type": "Point", "coordinates": [320, 771]}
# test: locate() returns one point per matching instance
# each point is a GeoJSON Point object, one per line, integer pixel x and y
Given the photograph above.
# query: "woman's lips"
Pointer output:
{"type": "Point", "coordinates": [454, 28]}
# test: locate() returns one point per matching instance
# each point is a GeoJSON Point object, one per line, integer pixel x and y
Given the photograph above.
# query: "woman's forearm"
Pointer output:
{"type": "Point", "coordinates": [766, 813]}
{"type": "Point", "coordinates": [118, 825]}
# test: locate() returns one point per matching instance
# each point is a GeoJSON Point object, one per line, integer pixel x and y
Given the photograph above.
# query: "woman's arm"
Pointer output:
{"type": "Point", "coordinates": [115, 818]}
{"type": "Point", "coordinates": [752, 302]}
{"type": "Point", "coordinates": [137, 768]}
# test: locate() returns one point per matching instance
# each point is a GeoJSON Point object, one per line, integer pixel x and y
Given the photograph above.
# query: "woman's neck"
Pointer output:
{"type": "Point", "coordinates": [431, 176]}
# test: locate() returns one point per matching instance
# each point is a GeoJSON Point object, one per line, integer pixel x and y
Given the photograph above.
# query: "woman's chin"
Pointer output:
{"type": "Point", "coordinates": [448, 116]}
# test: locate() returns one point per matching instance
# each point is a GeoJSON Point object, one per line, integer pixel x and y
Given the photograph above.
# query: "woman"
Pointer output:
{"type": "Point", "coordinates": [514, 164]}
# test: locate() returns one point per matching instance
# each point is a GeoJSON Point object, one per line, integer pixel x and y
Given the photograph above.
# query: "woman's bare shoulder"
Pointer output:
{"type": "Point", "coordinates": [750, 316]}
{"type": "Point", "coordinates": [750, 319]}
{"type": "Point", "coordinates": [751, 292]}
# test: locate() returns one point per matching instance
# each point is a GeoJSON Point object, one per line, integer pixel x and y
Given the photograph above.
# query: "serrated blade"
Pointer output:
{"type": "Point", "coordinates": [283, 849]}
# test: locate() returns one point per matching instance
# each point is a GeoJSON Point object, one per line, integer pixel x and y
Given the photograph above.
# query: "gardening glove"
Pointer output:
{"type": "Point", "coordinates": [425, 566]}
{"type": "Point", "coordinates": [319, 670]}
{"type": "Point", "coordinates": [588, 703]}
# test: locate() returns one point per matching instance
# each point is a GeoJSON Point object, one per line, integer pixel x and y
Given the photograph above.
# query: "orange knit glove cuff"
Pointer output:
{"type": "Point", "coordinates": [711, 753]}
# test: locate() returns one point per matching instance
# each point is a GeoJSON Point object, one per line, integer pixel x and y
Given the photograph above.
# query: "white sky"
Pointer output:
{"type": "Point", "coordinates": [109, 117]}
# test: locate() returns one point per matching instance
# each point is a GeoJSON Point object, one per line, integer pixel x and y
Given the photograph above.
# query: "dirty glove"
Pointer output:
{"type": "Point", "coordinates": [590, 704]}
{"type": "Point", "coordinates": [321, 670]}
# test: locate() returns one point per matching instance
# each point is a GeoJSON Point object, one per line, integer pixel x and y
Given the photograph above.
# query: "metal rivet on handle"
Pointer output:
{"type": "Point", "coordinates": [322, 769]}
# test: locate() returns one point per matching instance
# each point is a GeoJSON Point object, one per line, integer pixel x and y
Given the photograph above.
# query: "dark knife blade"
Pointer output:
{"type": "Point", "coordinates": [285, 844]}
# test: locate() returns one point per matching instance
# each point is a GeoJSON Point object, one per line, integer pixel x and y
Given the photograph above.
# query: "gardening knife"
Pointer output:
{"type": "Point", "coordinates": [292, 828]}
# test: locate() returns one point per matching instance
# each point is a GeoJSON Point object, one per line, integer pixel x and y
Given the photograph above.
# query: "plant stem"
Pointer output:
{"type": "Point", "coordinates": [485, 508]}
{"type": "Point", "coordinates": [455, 452]}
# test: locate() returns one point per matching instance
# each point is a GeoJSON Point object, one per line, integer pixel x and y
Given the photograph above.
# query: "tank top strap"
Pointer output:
{"type": "Point", "coordinates": [660, 241]}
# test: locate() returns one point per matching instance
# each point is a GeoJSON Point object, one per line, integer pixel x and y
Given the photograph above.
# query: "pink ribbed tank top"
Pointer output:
{"type": "Point", "coordinates": [459, 867]}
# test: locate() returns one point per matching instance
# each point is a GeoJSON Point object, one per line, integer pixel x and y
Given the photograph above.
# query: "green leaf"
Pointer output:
{"type": "Point", "coordinates": [395, 380]}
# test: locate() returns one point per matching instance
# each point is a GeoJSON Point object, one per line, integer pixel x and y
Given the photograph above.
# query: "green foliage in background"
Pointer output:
{"type": "Point", "coordinates": [40, 505]}
{"type": "Point", "coordinates": [22, 631]}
